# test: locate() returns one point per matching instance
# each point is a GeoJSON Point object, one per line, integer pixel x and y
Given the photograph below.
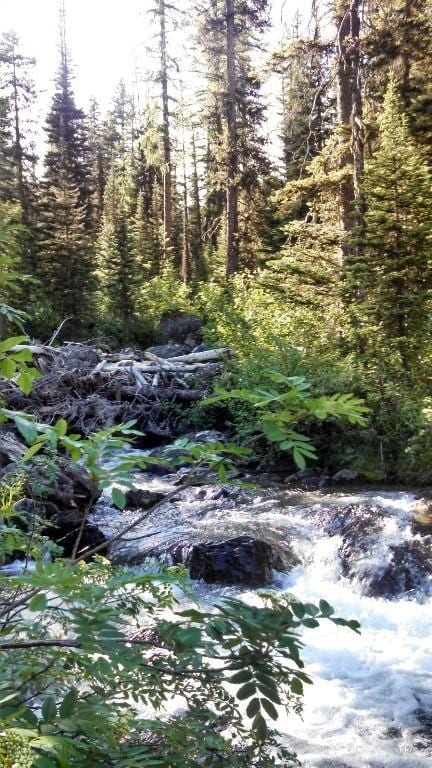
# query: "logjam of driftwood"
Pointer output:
{"type": "Point", "coordinates": [92, 390]}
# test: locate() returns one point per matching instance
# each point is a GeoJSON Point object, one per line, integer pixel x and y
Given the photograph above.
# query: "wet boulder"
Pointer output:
{"type": "Point", "coordinates": [206, 436]}
{"type": "Point", "coordinates": [407, 567]}
{"type": "Point", "coordinates": [345, 476]}
{"type": "Point", "coordinates": [308, 479]}
{"type": "Point", "coordinates": [180, 327]}
{"type": "Point", "coordinates": [69, 488]}
{"type": "Point", "coordinates": [62, 525]}
{"type": "Point", "coordinates": [242, 560]}
{"type": "Point", "coordinates": [92, 537]}
{"type": "Point", "coordinates": [138, 498]}
{"type": "Point", "coordinates": [383, 564]}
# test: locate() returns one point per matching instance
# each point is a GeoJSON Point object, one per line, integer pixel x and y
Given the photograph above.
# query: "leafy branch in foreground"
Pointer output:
{"type": "Point", "coordinates": [94, 646]}
{"type": "Point", "coordinates": [277, 412]}
{"type": "Point", "coordinates": [92, 657]}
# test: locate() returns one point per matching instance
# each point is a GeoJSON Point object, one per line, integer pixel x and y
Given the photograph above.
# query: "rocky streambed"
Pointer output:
{"type": "Point", "coordinates": [368, 552]}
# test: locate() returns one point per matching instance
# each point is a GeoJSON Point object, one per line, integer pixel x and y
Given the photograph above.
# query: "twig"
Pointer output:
{"type": "Point", "coordinates": [57, 331]}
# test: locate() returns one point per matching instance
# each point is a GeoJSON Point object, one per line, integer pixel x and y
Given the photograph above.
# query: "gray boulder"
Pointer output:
{"type": "Point", "coordinates": [345, 476]}
{"type": "Point", "coordinates": [180, 327]}
{"type": "Point", "coordinates": [165, 351]}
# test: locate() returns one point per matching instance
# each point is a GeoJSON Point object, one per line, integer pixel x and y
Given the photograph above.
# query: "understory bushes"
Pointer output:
{"type": "Point", "coordinates": [271, 336]}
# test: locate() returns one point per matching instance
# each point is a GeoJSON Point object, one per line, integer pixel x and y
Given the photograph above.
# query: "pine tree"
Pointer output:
{"type": "Point", "coordinates": [233, 113]}
{"type": "Point", "coordinates": [394, 276]}
{"type": "Point", "coordinates": [17, 182]}
{"type": "Point", "coordinates": [302, 62]}
{"type": "Point", "coordinates": [400, 37]}
{"type": "Point", "coordinates": [6, 152]}
{"type": "Point", "coordinates": [64, 253]}
{"type": "Point", "coordinates": [116, 255]}
{"type": "Point", "coordinates": [97, 166]}
{"type": "Point", "coordinates": [17, 85]}
{"type": "Point", "coordinates": [347, 18]}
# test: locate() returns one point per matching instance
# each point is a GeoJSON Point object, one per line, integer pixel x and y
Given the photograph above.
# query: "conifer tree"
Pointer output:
{"type": "Point", "coordinates": [394, 276]}
{"type": "Point", "coordinates": [234, 112]}
{"type": "Point", "coordinates": [17, 86]}
{"type": "Point", "coordinates": [302, 61]}
{"type": "Point", "coordinates": [64, 252]}
{"type": "Point", "coordinates": [97, 165]}
{"type": "Point", "coordinates": [117, 254]}
{"type": "Point", "coordinates": [400, 37]}
{"type": "Point", "coordinates": [6, 151]}
{"type": "Point", "coordinates": [17, 156]}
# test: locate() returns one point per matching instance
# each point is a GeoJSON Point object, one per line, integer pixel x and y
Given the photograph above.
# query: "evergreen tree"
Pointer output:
{"type": "Point", "coordinates": [117, 255]}
{"type": "Point", "coordinates": [234, 113]}
{"type": "Point", "coordinates": [17, 86]}
{"type": "Point", "coordinates": [66, 215]}
{"type": "Point", "coordinates": [97, 166]}
{"type": "Point", "coordinates": [400, 37]}
{"type": "Point", "coordinates": [65, 261]}
{"type": "Point", "coordinates": [6, 152]}
{"type": "Point", "coordinates": [304, 68]}
{"type": "Point", "coordinates": [393, 279]}
{"type": "Point", "coordinates": [17, 157]}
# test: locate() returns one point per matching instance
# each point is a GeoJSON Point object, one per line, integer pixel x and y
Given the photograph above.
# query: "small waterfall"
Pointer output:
{"type": "Point", "coordinates": [371, 702]}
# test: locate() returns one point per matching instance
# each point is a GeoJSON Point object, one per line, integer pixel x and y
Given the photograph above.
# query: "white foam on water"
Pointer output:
{"type": "Point", "coordinates": [368, 689]}
{"type": "Point", "coordinates": [363, 685]}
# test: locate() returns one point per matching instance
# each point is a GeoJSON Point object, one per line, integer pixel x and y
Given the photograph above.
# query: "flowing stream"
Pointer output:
{"type": "Point", "coordinates": [371, 702]}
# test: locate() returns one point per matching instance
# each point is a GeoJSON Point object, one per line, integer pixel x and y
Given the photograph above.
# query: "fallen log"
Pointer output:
{"type": "Point", "coordinates": [36, 349]}
{"type": "Point", "coordinates": [164, 365]}
{"type": "Point", "coordinates": [209, 356]}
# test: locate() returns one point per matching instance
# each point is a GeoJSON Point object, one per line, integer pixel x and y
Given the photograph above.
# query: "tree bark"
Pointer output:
{"type": "Point", "coordinates": [18, 150]}
{"type": "Point", "coordinates": [166, 139]}
{"type": "Point", "coordinates": [349, 108]}
{"type": "Point", "coordinates": [232, 245]}
{"type": "Point", "coordinates": [186, 263]}
{"type": "Point", "coordinates": [196, 195]}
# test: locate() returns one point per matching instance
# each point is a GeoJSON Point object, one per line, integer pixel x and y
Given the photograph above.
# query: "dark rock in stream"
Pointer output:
{"type": "Point", "coordinates": [70, 488]}
{"type": "Point", "coordinates": [423, 734]}
{"type": "Point", "coordinates": [66, 537]}
{"type": "Point", "coordinates": [308, 479]}
{"type": "Point", "coordinates": [64, 499]}
{"type": "Point", "coordinates": [137, 498]}
{"type": "Point", "coordinates": [62, 526]}
{"type": "Point", "coordinates": [345, 476]}
{"type": "Point", "coordinates": [243, 560]}
{"type": "Point", "coordinates": [383, 569]}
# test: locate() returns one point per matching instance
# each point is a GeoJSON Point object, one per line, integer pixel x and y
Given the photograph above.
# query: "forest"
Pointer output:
{"type": "Point", "coordinates": [220, 281]}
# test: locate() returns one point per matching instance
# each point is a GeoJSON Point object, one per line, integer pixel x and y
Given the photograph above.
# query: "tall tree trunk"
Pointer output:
{"type": "Point", "coordinates": [186, 262]}
{"type": "Point", "coordinates": [166, 140]}
{"type": "Point", "coordinates": [232, 245]}
{"type": "Point", "coordinates": [195, 195]}
{"type": "Point", "coordinates": [349, 108]}
{"type": "Point", "coordinates": [18, 150]}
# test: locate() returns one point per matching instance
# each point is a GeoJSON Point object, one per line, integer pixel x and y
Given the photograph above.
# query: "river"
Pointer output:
{"type": "Point", "coordinates": [371, 702]}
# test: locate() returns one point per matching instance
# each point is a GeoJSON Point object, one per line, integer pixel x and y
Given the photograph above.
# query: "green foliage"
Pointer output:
{"type": "Point", "coordinates": [74, 661]}
{"type": "Point", "coordinates": [390, 279]}
{"type": "Point", "coordinates": [84, 645]}
{"type": "Point", "coordinates": [276, 412]}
